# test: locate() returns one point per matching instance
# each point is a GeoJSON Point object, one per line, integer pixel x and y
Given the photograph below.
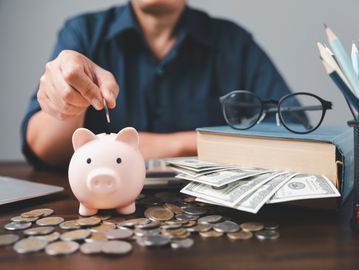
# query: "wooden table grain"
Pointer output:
{"type": "Point", "coordinates": [310, 239]}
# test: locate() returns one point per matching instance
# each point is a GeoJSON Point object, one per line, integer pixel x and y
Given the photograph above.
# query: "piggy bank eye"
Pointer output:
{"type": "Point", "coordinates": [118, 160]}
{"type": "Point", "coordinates": [88, 160]}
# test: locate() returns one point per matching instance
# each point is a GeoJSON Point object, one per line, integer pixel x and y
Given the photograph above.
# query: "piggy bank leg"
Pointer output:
{"type": "Point", "coordinates": [126, 210]}
{"type": "Point", "coordinates": [86, 211]}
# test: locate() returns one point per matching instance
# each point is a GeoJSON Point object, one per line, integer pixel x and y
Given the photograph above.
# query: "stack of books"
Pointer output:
{"type": "Point", "coordinates": [342, 69]}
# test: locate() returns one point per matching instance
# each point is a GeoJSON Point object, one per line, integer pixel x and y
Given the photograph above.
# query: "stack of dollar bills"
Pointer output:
{"type": "Point", "coordinates": [247, 189]}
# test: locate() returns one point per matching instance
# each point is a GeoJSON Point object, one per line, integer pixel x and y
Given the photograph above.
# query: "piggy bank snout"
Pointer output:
{"type": "Point", "coordinates": [102, 181]}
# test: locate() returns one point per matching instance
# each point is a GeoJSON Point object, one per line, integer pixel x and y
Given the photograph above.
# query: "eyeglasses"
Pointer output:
{"type": "Point", "coordinates": [300, 113]}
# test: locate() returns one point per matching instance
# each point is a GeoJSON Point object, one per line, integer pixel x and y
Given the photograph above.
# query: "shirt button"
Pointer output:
{"type": "Point", "coordinates": [160, 71]}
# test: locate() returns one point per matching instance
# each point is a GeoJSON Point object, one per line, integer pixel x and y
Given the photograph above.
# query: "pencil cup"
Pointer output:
{"type": "Point", "coordinates": [355, 217]}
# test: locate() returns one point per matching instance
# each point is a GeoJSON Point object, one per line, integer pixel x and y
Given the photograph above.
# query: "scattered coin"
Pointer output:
{"type": "Point", "coordinates": [104, 226]}
{"type": "Point", "coordinates": [141, 232]}
{"type": "Point", "coordinates": [171, 226]}
{"type": "Point", "coordinates": [240, 235]}
{"type": "Point", "coordinates": [24, 219]}
{"type": "Point", "coordinates": [62, 248]}
{"type": "Point", "coordinates": [88, 221]}
{"type": "Point", "coordinates": [174, 208]}
{"type": "Point", "coordinates": [252, 226]}
{"type": "Point", "coordinates": [116, 247]}
{"type": "Point", "coordinates": [8, 239]}
{"type": "Point", "coordinates": [200, 228]}
{"type": "Point", "coordinates": [194, 210]}
{"type": "Point", "coordinates": [134, 222]}
{"type": "Point", "coordinates": [211, 233]}
{"type": "Point", "coordinates": [186, 217]}
{"type": "Point", "coordinates": [75, 235]}
{"type": "Point", "coordinates": [49, 221]}
{"type": "Point", "coordinates": [29, 245]}
{"type": "Point", "coordinates": [70, 225]}
{"type": "Point", "coordinates": [189, 223]}
{"type": "Point", "coordinates": [14, 226]}
{"type": "Point", "coordinates": [96, 237]}
{"type": "Point", "coordinates": [49, 237]}
{"type": "Point", "coordinates": [151, 225]}
{"type": "Point", "coordinates": [226, 226]}
{"type": "Point", "coordinates": [39, 230]}
{"type": "Point", "coordinates": [103, 217]}
{"type": "Point", "coordinates": [182, 243]}
{"type": "Point", "coordinates": [267, 234]}
{"type": "Point", "coordinates": [158, 213]}
{"type": "Point", "coordinates": [271, 226]}
{"type": "Point", "coordinates": [156, 240]}
{"type": "Point", "coordinates": [43, 212]}
{"type": "Point", "coordinates": [120, 233]}
{"type": "Point", "coordinates": [92, 248]}
{"type": "Point", "coordinates": [210, 219]}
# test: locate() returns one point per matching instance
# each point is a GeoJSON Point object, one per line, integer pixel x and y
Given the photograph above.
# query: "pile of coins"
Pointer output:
{"type": "Point", "coordinates": [168, 221]}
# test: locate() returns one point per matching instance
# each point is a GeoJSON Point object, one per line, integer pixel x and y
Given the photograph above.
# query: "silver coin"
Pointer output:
{"type": "Point", "coordinates": [210, 219]}
{"type": "Point", "coordinates": [186, 217]}
{"type": "Point", "coordinates": [271, 226]}
{"type": "Point", "coordinates": [89, 221]}
{"type": "Point", "coordinates": [134, 222]}
{"type": "Point", "coordinates": [39, 230]}
{"type": "Point", "coordinates": [8, 239]}
{"type": "Point", "coordinates": [157, 240]}
{"type": "Point", "coordinates": [69, 225]}
{"type": "Point", "coordinates": [151, 225]}
{"type": "Point", "coordinates": [49, 237]}
{"type": "Point", "coordinates": [200, 228]}
{"type": "Point", "coordinates": [267, 234]}
{"type": "Point", "coordinates": [14, 226]}
{"type": "Point", "coordinates": [116, 247]}
{"type": "Point", "coordinates": [194, 210]}
{"type": "Point", "coordinates": [171, 226]}
{"type": "Point", "coordinates": [141, 232]}
{"type": "Point", "coordinates": [75, 235]}
{"type": "Point", "coordinates": [182, 243]}
{"type": "Point", "coordinates": [29, 245]}
{"type": "Point", "coordinates": [92, 248]}
{"type": "Point", "coordinates": [226, 226]}
{"type": "Point", "coordinates": [120, 233]}
{"type": "Point", "coordinates": [24, 219]}
{"type": "Point", "coordinates": [49, 221]}
{"type": "Point", "coordinates": [62, 248]}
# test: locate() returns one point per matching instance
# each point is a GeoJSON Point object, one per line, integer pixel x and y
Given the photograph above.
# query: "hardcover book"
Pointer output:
{"type": "Point", "coordinates": [327, 151]}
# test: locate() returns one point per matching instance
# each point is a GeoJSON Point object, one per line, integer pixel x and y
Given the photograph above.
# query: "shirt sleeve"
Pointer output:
{"type": "Point", "coordinates": [70, 37]}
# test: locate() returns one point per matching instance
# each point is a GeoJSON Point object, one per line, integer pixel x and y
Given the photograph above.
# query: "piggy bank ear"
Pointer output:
{"type": "Point", "coordinates": [128, 135]}
{"type": "Point", "coordinates": [82, 136]}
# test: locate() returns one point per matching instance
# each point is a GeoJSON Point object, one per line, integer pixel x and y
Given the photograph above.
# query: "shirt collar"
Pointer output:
{"type": "Point", "coordinates": [194, 24]}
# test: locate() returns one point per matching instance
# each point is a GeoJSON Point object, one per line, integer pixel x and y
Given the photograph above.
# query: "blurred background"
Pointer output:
{"type": "Point", "coordinates": [287, 30]}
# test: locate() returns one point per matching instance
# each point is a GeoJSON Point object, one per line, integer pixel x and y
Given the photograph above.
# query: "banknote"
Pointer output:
{"type": "Point", "coordinates": [190, 163]}
{"type": "Point", "coordinates": [257, 199]}
{"type": "Point", "coordinates": [305, 187]}
{"type": "Point", "coordinates": [221, 177]}
{"type": "Point", "coordinates": [230, 194]}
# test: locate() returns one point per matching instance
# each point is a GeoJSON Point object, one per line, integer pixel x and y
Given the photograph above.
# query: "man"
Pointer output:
{"type": "Point", "coordinates": [160, 66]}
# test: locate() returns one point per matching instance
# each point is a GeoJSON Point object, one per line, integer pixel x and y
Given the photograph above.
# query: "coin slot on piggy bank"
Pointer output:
{"type": "Point", "coordinates": [106, 170]}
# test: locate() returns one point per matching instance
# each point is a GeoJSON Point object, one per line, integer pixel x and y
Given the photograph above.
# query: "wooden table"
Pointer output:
{"type": "Point", "coordinates": [310, 239]}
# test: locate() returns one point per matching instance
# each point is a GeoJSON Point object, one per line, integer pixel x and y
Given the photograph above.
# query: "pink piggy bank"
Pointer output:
{"type": "Point", "coordinates": [106, 170]}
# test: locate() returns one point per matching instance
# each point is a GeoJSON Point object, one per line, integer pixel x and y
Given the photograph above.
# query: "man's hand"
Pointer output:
{"type": "Point", "coordinates": [71, 83]}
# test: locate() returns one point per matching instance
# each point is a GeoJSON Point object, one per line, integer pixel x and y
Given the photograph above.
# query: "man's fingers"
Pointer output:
{"type": "Point", "coordinates": [74, 74]}
{"type": "Point", "coordinates": [108, 86]}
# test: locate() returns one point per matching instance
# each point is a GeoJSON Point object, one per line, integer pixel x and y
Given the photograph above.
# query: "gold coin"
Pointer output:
{"type": "Point", "coordinates": [75, 235]}
{"type": "Point", "coordinates": [174, 232]}
{"type": "Point", "coordinates": [116, 220]}
{"type": "Point", "coordinates": [43, 212]}
{"type": "Point", "coordinates": [174, 208]}
{"type": "Point", "coordinates": [70, 225]}
{"type": "Point", "coordinates": [159, 213]}
{"type": "Point", "coordinates": [88, 221]}
{"type": "Point", "coordinates": [240, 235]}
{"type": "Point", "coordinates": [103, 217]}
{"type": "Point", "coordinates": [211, 233]}
{"type": "Point", "coordinates": [96, 236]}
{"type": "Point", "coordinates": [49, 221]}
{"type": "Point", "coordinates": [252, 226]}
{"type": "Point", "coordinates": [190, 223]}
{"type": "Point", "coordinates": [104, 226]}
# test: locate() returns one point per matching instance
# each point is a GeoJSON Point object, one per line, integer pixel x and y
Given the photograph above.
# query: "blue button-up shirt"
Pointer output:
{"type": "Point", "coordinates": [210, 58]}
